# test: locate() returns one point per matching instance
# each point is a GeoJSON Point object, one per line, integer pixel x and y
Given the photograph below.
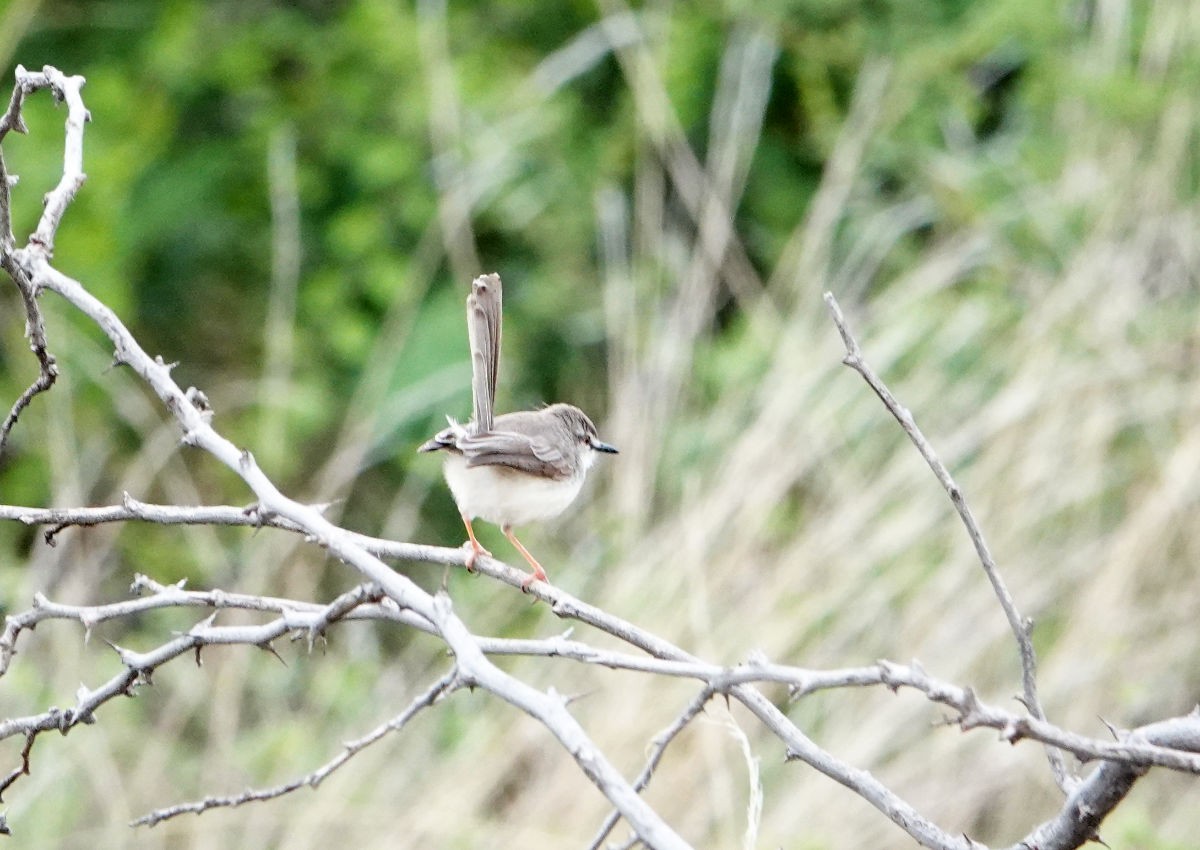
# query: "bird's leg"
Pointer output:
{"type": "Point", "coordinates": [476, 549]}
{"type": "Point", "coordinates": [538, 573]}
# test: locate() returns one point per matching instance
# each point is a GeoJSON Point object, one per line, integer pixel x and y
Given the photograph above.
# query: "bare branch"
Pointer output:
{"type": "Point", "coordinates": [310, 618]}
{"type": "Point", "coordinates": [251, 515]}
{"type": "Point", "coordinates": [799, 746]}
{"type": "Point", "coordinates": [658, 749]}
{"type": "Point", "coordinates": [26, 83]}
{"type": "Point", "coordinates": [1020, 626]}
{"type": "Point", "coordinates": [139, 666]}
{"type": "Point", "coordinates": [21, 770]}
{"type": "Point", "coordinates": [66, 89]}
{"type": "Point", "coordinates": [132, 509]}
{"type": "Point", "coordinates": [35, 326]}
{"type": "Point", "coordinates": [362, 603]}
{"type": "Point", "coordinates": [194, 417]}
{"type": "Point", "coordinates": [35, 330]}
{"type": "Point", "coordinates": [1134, 751]}
{"type": "Point", "coordinates": [670, 661]}
{"type": "Point", "coordinates": [56, 202]}
{"type": "Point", "coordinates": [972, 713]}
{"type": "Point", "coordinates": [1095, 798]}
{"type": "Point", "coordinates": [442, 687]}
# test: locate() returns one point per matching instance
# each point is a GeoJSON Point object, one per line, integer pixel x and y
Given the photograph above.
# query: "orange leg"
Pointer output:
{"type": "Point", "coordinates": [476, 549]}
{"type": "Point", "coordinates": [538, 573]}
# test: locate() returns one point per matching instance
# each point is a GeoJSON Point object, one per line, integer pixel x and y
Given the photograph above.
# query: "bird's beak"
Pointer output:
{"type": "Point", "coordinates": [602, 447]}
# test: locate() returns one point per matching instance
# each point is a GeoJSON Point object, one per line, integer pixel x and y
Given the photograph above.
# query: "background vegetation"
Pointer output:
{"type": "Point", "coordinates": [290, 198]}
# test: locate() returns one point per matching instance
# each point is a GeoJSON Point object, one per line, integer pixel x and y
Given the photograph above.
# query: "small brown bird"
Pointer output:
{"type": "Point", "coordinates": [519, 467]}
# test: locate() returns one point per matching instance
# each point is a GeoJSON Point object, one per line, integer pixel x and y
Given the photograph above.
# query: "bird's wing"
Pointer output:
{"type": "Point", "coordinates": [517, 451]}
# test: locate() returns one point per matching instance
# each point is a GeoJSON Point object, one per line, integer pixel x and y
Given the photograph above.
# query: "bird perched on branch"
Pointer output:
{"type": "Point", "coordinates": [515, 468]}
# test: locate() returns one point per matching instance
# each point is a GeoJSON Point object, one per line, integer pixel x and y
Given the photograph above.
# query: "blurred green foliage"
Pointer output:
{"type": "Point", "coordinates": [186, 97]}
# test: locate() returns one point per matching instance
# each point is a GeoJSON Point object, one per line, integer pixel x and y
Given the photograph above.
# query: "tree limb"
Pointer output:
{"type": "Point", "coordinates": [434, 693]}
{"type": "Point", "coordinates": [1020, 626]}
{"type": "Point", "coordinates": [191, 410]}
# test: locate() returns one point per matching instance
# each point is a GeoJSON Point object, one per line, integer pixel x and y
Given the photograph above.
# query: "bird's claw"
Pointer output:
{"type": "Point", "coordinates": [475, 551]}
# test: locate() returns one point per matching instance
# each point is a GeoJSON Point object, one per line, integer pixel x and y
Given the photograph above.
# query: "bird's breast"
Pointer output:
{"type": "Point", "coordinates": [506, 496]}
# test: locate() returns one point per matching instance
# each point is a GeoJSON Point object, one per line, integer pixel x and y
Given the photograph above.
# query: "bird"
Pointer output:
{"type": "Point", "coordinates": [515, 468]}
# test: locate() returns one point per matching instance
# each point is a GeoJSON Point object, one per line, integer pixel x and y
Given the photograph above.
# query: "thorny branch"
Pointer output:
{"type": "Point", "coordinates": [140, 666]}
{"type": "Point", "coordinates": [308, 621]}
{"type": "Point", "coordinates": [658, 749]}
{"type": "Point", "coordinates": [1134, 751]}
{"type": "Point", "coordinates": [56, 202]}
{"type": "Point", "coordinates": [386, 595]}
{"type": "Point", "coordinates": [193, 414]}
{"type": "Point", "coordinates": [442, 687]}
{"type": "Point", "coordinates": [1021, 627]}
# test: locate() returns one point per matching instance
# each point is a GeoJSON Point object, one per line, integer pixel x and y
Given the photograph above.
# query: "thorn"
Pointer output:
{"type": "Point", "coordinates": [204, 624]}
{"type": "Point", "coordinates": [267, 647]}
{"type": "Point", "coordinates": [312, 634]}
{"type": "Point", "coordinates": [129, 659]}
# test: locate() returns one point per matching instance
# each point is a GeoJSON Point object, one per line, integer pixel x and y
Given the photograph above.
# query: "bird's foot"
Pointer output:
{"type": "Point", "coordinates": [475, 550]}
{"type": "Point", "coordinates": [538, 574]}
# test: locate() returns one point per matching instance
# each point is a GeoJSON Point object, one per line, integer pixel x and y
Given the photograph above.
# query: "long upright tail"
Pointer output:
{"type": "Point", "coordinates": [483, 328]}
